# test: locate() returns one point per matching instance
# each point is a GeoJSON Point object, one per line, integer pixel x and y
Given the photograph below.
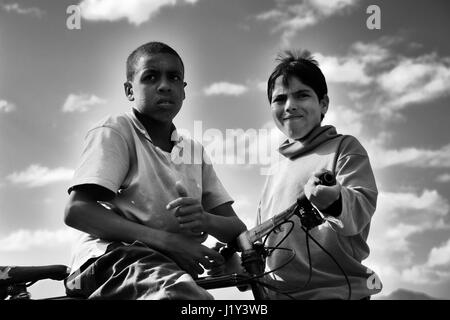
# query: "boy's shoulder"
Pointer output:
{"type": "Point", "coordinates": [116, 121]}
{"type": "Point", "coordinates": [120, 123]}
{"type": "Point", "coordinates": [351, 145]}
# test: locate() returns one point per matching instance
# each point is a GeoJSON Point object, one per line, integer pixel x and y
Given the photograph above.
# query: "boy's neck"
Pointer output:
{"type": "Point", "coordinates": [303, 139]}
{"type": "Point", "coordinates": [159, 132]}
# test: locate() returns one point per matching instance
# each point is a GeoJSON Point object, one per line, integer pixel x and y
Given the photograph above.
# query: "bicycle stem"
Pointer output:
{"type": "Point", "coordinates": [252, 260]}
{"type": "Point", "coordinates": [246, 239]}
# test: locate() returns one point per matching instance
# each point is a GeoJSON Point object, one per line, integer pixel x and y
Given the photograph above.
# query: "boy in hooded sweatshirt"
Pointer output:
{"type": "Point", "coordinates": [297, 93]}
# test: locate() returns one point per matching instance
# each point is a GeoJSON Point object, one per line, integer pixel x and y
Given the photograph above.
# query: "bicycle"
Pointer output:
{"type": "Point", "coordinates": [14, 281]}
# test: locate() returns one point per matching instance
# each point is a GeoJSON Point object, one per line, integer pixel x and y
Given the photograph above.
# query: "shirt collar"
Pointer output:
{"type": "Point", "coordinates": [176, 137]}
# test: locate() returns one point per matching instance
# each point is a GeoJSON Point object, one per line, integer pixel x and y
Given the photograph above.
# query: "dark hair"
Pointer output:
{"type": "Point", "coordinates": [149, 48]}
{"type": "Point", "coordinates": [299, 64]}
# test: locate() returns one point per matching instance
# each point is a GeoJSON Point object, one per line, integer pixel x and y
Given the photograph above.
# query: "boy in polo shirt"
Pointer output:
{"type": "Point", "coordinates": [143, 203]}
{"type": "Point", "coordinates": [297, 93]}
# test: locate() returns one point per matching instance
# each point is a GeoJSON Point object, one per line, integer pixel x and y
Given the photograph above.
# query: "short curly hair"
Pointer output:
{"type": "Point", "coordinates": [301, 65]}
{"type": "Point", "coordinates": [149, 48]}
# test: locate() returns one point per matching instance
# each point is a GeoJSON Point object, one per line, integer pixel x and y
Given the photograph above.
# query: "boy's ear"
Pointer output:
{"type": "Point", "coordinates": [128, 87]}
{"type": "Point", "coordinates": [324, 104]}
{"type": "Point", "coordinates": [184, 93]}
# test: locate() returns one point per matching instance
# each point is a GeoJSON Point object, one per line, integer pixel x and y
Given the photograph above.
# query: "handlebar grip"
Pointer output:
{"type": "Point", "coordinates": [327, 178]}
{"type": "Point", "coordinates": [309, 217]}
{"type": "Point", "coordinates": [22, 274]}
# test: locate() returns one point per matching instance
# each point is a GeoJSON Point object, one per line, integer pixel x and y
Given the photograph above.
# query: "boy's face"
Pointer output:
{"type": "Point", "coordinates": [296, 109]}
{"type": "Point", "coordinates": [157, 88]}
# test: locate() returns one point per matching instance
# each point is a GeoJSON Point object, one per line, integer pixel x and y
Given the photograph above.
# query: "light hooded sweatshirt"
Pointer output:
{"type": "Point", "coordinates": [345, 239]}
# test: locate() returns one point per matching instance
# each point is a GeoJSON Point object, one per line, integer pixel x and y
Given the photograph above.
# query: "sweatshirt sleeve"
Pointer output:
{"type": "Point", "coordinates": [359, 191]}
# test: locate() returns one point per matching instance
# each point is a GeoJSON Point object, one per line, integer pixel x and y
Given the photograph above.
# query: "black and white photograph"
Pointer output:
{"type": "Point", "coordinates": [224, 150]}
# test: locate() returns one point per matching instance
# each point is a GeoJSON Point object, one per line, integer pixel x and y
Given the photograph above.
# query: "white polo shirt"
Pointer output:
{"type": "Point", "coordinates": [120, 156]}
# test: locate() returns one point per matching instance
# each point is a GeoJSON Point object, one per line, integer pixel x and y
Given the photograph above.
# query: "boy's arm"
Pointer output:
{"type": "Point", "coordinates": [354, 195]}
{"type": "Point", "coordinates": [224, 224]}
{"type": "Point", "coordinates": [358, 193]}
{"type": "Point", "coordinates": [84, 213]}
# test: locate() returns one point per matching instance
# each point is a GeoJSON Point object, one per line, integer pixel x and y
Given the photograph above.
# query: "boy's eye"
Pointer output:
{"type": "Point", "coordinates": [278, 99]}
{"type": "Point", "coordinates": [301, 95]}
{"type": "Point", "coordinates": [176, 78]}
{"type": "Point", "coordinates": [149, 77]}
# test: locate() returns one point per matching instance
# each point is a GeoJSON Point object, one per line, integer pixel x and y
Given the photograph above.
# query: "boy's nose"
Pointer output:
{"type": "Point", "coordinates": [164, 85]}
{"type": "Point", "coordinates": [289, 106]}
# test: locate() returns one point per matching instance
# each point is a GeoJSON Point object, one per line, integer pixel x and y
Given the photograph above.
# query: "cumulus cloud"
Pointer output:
{"type": "Point", "coordinates": [415, 80]}
{"type": "Point", "coordinates": [327, 7]}
{"type": "Point", "coordinates": [37, 176]}
{"type": "Point", "coordinates": [22, 240]}
{"type": "Point", "coordinates": [410, 157]}
{"type": "Point", "coordinates": [440, 256]}
{"type": "Point", "coordinates": [295, 16]}
{"type": "Point", "coordinates": [443, 178]}
{"type": "Point", "coordinates": [343, 70]}
{"type": "Point", "coordinates": [395, 81]}
{"type": "Point", "coordinates": [371, 53]}
{"type": "Point", "coordinates": [225, 88]}
{"type": "Point", "coordinates": [347, 120]}
{"type": "Point", "coordinates": [135, 11]}
{"type": "Point", "coordinates": [356, 67]}
{"type": "Point", "coordinates": [16, 8]}
{"type": "Point", "coordinates": [81, 102]}
{"type": "Point", "coordinates": [6, 106]}
{"type": "Point", "coordinates": [428, 200]}
{"type": "Point", "coordinates": [270, 15]}
{"type": "Point", "coordinates": [435, 270]}
{"type": "Point", "coordinates": [409, 213]}
{"type": "Point", "coordinates": [398, 217]}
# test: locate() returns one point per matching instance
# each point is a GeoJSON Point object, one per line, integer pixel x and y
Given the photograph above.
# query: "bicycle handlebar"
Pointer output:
{"type": "Point", "coordinates": [246, 239]}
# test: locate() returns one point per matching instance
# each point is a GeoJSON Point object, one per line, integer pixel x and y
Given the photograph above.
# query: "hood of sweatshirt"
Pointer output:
{"type": "Point", "coordinates": [296, 148]}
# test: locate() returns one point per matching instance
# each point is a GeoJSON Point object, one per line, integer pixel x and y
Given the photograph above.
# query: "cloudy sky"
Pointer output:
{"type": "Point", "coordinates": [389, 87]}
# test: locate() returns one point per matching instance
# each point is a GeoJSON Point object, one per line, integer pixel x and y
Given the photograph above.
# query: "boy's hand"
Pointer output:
{"type": "Point", "coordinates": [192, 256]}
{"type": "Point", "coordinates": [189, 212]}
{"type": "Point", "coordinates": [319, 195]}
{"type": "Point", "coordinates": [232, 264]}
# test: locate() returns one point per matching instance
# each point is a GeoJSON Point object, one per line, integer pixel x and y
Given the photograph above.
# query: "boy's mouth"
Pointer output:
{"type": "Point", "coordinates": [292, 117]}
{"type": "Point", "coordinates": [165, 101]}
